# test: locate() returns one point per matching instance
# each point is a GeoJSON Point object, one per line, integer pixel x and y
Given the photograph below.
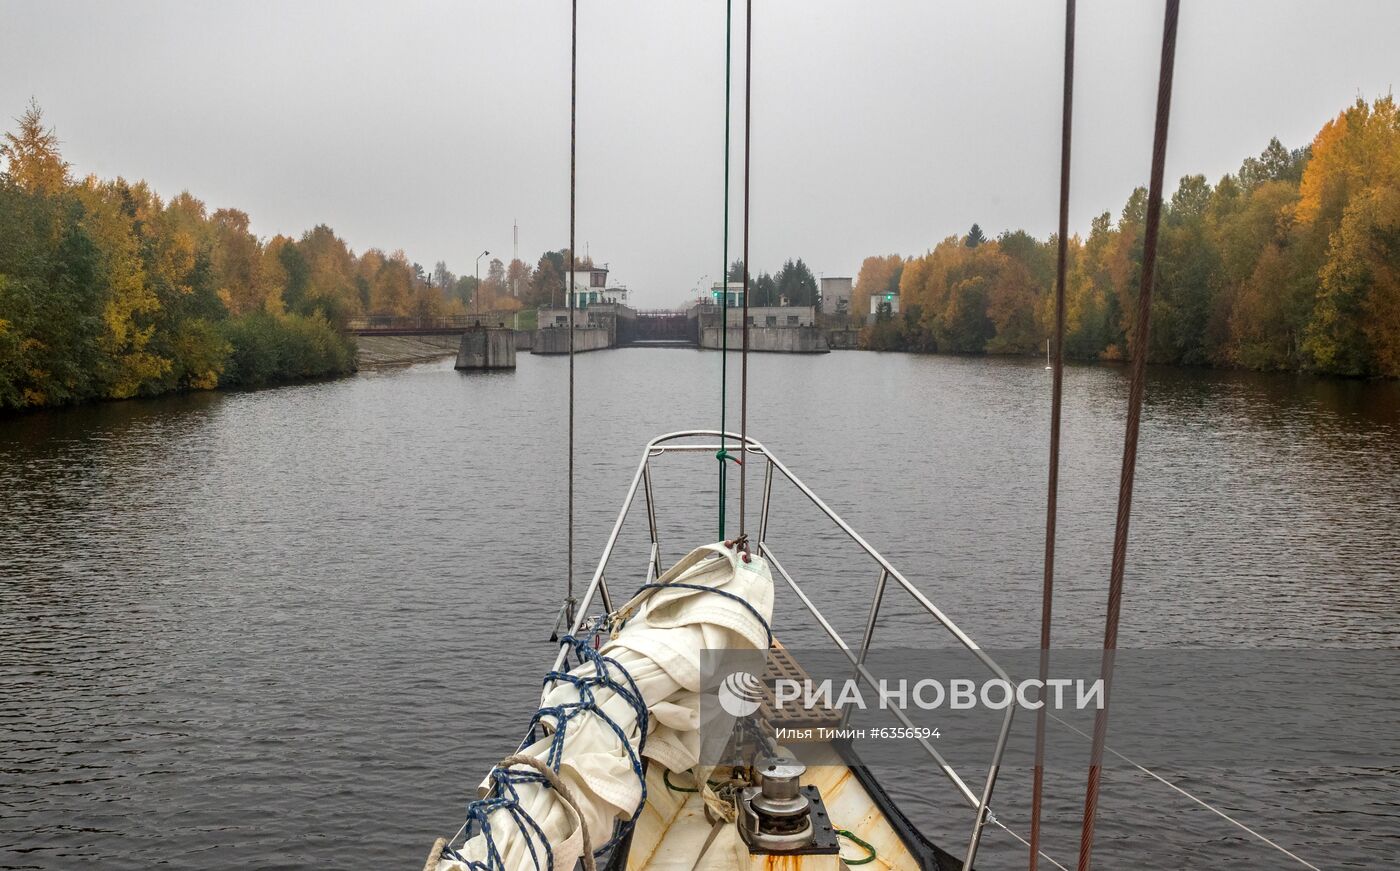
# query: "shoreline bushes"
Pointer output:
{"type": "Point", "coordinates": [266, 349]}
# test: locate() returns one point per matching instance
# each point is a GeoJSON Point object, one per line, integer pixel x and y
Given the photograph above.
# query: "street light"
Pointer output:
{"type": "Point", "coordinates": [476, 292]}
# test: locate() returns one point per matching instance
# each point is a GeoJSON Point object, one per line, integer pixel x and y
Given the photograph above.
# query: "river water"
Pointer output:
{"type": "Point", "coordinates": [294, 627]}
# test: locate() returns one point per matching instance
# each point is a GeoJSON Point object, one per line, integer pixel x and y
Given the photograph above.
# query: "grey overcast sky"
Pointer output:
{"type": "Point", "coordinates": [879, 127]}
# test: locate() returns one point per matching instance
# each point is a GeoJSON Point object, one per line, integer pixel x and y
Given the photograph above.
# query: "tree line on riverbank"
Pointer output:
{"type": "Point", "coordinates": [108, 291]}
{"type": "Point", "coordinates": [1292, 263]}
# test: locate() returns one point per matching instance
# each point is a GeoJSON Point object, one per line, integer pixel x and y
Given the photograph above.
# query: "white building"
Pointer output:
{"type": "Point", "coordinates": [717, 290]}
{"type": "Point", "coordinates": [879, 299]}
{"type": "Point", "coordinates": [591, 288]}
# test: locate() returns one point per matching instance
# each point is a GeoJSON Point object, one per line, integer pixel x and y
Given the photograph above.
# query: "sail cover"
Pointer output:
{"type": "Point", "coordinates": [659, 647]}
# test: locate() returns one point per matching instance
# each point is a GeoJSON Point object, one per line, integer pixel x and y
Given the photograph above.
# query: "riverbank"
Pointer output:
{"type": "Point", "coordinates": [402, 350]}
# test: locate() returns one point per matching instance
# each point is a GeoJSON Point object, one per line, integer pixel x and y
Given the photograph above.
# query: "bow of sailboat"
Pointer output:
{"type": "Point", "coordinates": [638, 773]}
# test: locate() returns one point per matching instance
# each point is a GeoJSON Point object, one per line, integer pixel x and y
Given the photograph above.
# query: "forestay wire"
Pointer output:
{"type": "Point", "coordinates": [744, 356]}
{"type": "Point", "coordinates": [569, 601]}
{"type": "Point", "coordinates": [723, 455]}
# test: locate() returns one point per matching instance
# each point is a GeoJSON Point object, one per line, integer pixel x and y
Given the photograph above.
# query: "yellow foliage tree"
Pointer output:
{"type": "Point", "coordinates": [877, 275]}
{"type": "Point", "coordinates": [32, 156]}
{"type": "Point", "coordinates": [1348, 196]}
{"type": "Point", "coordinates": [129, 302]}
{"type": "Point", "coordinates": [237, 263]}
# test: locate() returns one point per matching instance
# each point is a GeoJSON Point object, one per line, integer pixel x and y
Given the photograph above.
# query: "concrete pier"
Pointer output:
{"type": "Point", "coordinates": [487, 348]}
{"type": "Point", "coordinates": [555, 340]}
{"type": "Point", "coordinates": [780, 340]}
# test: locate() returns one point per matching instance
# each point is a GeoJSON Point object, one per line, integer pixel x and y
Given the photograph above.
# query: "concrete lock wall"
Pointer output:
{"type": "Point", "coordinates": [619, 320]}
{"type": "Point", "coordinates": [487, 348]}
{"type": "Point", "coordinates": [781, 340]}
{"type": "Point", "coordinates": [555, 340]}
{"type": "Point", "coordinates": [843, 340]}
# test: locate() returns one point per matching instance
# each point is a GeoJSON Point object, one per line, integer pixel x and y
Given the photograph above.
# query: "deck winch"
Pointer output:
{"type": "Point", "coordinates": [780, 815]}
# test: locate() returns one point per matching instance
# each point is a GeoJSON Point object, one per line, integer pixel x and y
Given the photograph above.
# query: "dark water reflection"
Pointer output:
{"type": "Point", "coordinates": [296, 626]}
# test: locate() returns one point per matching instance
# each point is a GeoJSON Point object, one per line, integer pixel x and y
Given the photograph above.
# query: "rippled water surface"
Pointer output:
{"type": "Point", "coordinates": [294, 627]}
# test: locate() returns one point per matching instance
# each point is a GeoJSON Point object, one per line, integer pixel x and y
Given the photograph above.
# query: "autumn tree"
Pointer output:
{"type": "Point", "coordinates": [878, 275]}
{"type": "Point", "coordinates": [129, 301]}
{"type": "Point", "coordinates": [1288, 263]}
{"type": "Point", "coordinates": [517, 278]}
{"type": "Point", "coordinates": [330, 288]}
{"type": "Point", "coordinates": [1348, 193]}
{"type": "Point", "coordinates": [108, 290]}
{"type": "Point", "coordinates": [32, 159]}
{"type": "Point", "coordinates": [236, 262]}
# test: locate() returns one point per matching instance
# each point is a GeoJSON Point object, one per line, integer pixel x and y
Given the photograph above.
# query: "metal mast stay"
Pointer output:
{"type": "Point", "coordinates": [568, 609]}
{"type": "Point", "coordinates": [1053, 476]}
{"type": "Point", "coordinates": [744, 356]}
{"type": "Point", "coordinates": [1136, 389]}
{"type": "Point", "coordinates": [723, 454]}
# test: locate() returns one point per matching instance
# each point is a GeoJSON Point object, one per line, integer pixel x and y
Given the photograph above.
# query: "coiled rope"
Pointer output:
{"type": "Point", "coordinates": [859, 842]}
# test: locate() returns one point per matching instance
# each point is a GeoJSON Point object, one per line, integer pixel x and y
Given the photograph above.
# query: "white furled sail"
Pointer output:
{"type": "Point", "coordinates": [636, 697]}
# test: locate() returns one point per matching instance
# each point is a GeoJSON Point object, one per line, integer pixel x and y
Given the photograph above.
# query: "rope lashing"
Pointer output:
{"type": "Point", "coordinates": [551, 777]}
{"type": "Point", "coordinates": [723, 455]}
{"type": "Point", "coordinates": [558, 785]}
{"type": "Point", "coordinates": [504, 795]}
{"type": "Point", "coordinates": [608, 673]}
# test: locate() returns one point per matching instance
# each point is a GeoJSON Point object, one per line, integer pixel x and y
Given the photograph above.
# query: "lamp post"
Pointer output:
{"type": "Point", "coordinates": [476, 291]}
